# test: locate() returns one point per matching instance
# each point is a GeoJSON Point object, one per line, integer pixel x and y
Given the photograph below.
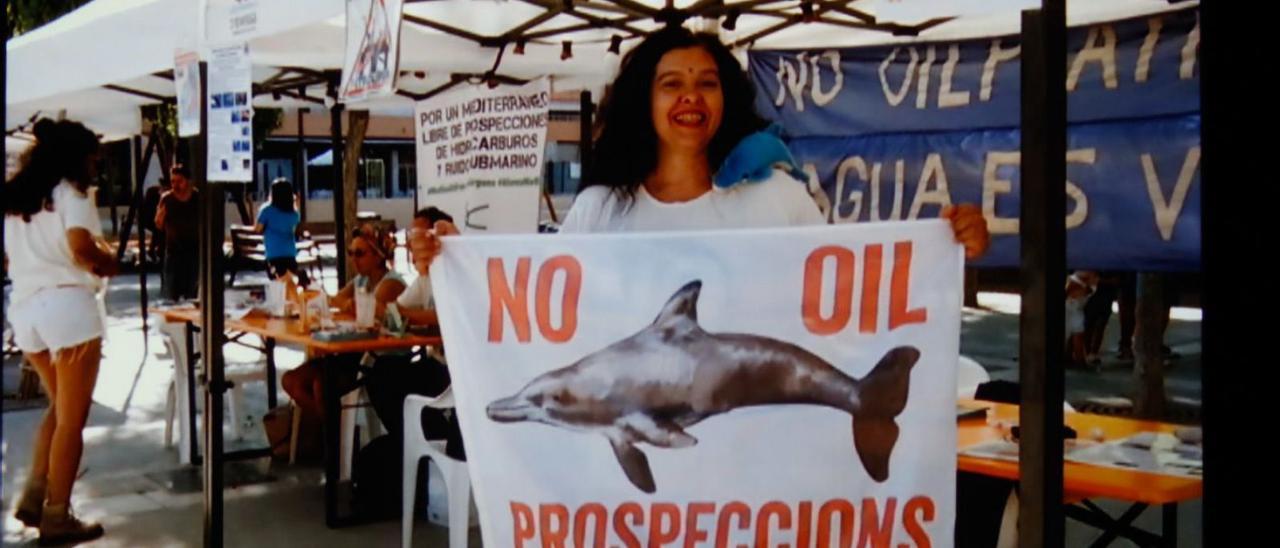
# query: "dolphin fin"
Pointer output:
{"type": "Point", "coordinates": [634, 464]}
{"type": "Point", "coordinates": [682, 306]}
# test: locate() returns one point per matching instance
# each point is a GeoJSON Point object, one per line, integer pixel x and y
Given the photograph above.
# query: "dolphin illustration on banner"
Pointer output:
{"type": "Point", "coordinates": [672, 374]}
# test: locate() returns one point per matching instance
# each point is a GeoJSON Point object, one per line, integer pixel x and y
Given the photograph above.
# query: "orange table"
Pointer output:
{"type": "Point", "coordinates": [290, 330]}
{"type": "Point", "coordinates": [1082, 482]}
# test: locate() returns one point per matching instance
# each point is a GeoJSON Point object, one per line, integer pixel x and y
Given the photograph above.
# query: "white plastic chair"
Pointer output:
{"type": "Point", "coordinates": [969, 374]}
{"type": "Point", "coordinates": [351, 404]}
{"type": "Point", "coordinates": [177, 404]}
{"type": "Point", "coordinates": [457, 481]}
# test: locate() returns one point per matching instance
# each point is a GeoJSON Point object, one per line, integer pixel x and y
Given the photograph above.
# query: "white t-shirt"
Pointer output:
{"type": "Point", "coordinates": [777, 201]}
{"type": "Point", "coordinates": [39, 255]}
{"type": "Point", "coordinates": [417, 295]}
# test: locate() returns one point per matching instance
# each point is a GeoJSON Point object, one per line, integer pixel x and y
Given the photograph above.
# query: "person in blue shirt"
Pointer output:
{"type": "Point", "coordinates": [278, 223]}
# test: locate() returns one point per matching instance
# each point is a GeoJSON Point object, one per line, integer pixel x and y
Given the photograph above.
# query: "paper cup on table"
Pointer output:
{"type": "Point", "coordinates": [276, 298]}
{"type": "Point", "coordinates": [366, 306]}
{"type": "Point", "coordinates": [317, 310]}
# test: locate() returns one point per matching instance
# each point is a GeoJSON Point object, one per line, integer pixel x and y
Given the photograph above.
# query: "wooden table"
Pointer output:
{"type": "Point", "coordinates": [1082, 482]}
{"type": "Point", "coordinates": [290, 330]}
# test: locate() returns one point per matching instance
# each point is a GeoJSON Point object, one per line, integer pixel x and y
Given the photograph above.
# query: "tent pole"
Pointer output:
{"type": "Point", "coordinates": [1042, 322]}
{"type": "Point", "coordinates": [339, 202]}
{"type": "Point", "coordinates": [300, 174]}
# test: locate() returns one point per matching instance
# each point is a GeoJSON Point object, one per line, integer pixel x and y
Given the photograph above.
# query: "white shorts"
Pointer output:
{"type": "Point", "coordinates": [55, 318]}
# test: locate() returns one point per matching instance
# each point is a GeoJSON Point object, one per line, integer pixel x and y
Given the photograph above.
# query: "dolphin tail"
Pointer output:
{"type": "Point", "coordinates": [881, 396]}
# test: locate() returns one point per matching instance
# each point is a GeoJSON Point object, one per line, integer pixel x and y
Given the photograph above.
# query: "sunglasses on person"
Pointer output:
{"type": "Point", "coordinates": [358, 234]}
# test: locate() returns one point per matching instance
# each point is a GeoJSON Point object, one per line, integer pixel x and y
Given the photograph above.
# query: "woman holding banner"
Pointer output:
{"type": "Point", "coordinates": [679, 146]}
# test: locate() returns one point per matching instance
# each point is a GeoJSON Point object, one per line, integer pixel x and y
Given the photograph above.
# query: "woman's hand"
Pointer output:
{"type": "Point", "coordinates": [161, 212]}
{"type": "Point", "coordinates": [970, 228]}
{"type": "Point", "coordinates": [91, 254]}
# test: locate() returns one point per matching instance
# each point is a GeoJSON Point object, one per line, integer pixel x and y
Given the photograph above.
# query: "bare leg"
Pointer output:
{"type": "Point", "coordinates": [32, 501]}
{"type": "Point", "coordinates": [77, 372]}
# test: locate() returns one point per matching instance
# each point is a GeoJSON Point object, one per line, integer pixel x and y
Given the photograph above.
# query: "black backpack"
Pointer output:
{"type": "Point", "coordinates": [376, 478]}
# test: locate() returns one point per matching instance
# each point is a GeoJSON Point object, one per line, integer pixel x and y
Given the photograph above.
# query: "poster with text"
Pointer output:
{"type": "Point", "coordinates": [230, 114]}
{"type": "Point", "coordinates": [780, 387]}
{"type": "Point", "coordinates": [480, 154]}
{"type": "Point", "coordinates": [186, 80]}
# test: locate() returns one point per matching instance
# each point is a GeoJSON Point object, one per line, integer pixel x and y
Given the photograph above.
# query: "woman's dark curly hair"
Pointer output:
{"type": "Point", "coordinates": [61, 151]}
{"type": "Point", "coordinates": [625, 151]}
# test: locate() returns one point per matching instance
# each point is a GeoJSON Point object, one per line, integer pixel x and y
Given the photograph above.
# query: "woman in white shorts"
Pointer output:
{"type": "Point", "coordinates": [57, 261]}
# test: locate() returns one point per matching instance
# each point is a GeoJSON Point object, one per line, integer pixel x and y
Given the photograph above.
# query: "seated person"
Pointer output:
{"type": "Point", "coordinates": [372, 251]}
{"type": "Point", "coordinates": [398, 375]}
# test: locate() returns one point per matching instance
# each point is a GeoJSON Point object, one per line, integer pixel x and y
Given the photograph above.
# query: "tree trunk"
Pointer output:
{"type": "Point", "coordinates": [1148, 346]}
{"type": "Point", "coordinates": [357, 125]}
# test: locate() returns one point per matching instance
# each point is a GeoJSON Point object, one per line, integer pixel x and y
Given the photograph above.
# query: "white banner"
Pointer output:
{"type": "Point", "coordinates": [230, 80]}
{"type": "Point", "coordinates": [480, 153]}
{"type": "Point", "coordinates": [372, 59]}
{"type": "Point", "coordinates": [186, 79]}
{"type": "Point", "coordinates": [743, 388]}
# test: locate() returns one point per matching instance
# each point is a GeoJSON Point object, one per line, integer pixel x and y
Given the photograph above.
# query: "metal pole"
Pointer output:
{"type": "Point", "coordinates": [131, 217]}
{"type": "Point", "coordinates": [192, 356]}
{"type": "Point", "coordinates": [1043, 330]}
{"type": "Point", "coordinates": [213, 208]}
{"type": "Point", "coordinates": [394, 189]}
{"type": "Point", "coordinates": [214, 197]}
{"type": "Point", "coordinates": [300, 175]}
{"type": "Point", "coordinates": [339, 202]}
{"type": "Point", "coordinates": [110, 190]}
{"type": "Point", "coordinates": [586, 110]}
{"type": "Point", "coordinates": [141, 178]}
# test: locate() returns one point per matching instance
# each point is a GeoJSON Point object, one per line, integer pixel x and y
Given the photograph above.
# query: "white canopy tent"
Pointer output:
{"type": "Point", "coordinates": [99, 63]}
{"type": "Point", "coordinates": [106, 59]}
{"type": "Point", "coordinates": [111, 57]}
